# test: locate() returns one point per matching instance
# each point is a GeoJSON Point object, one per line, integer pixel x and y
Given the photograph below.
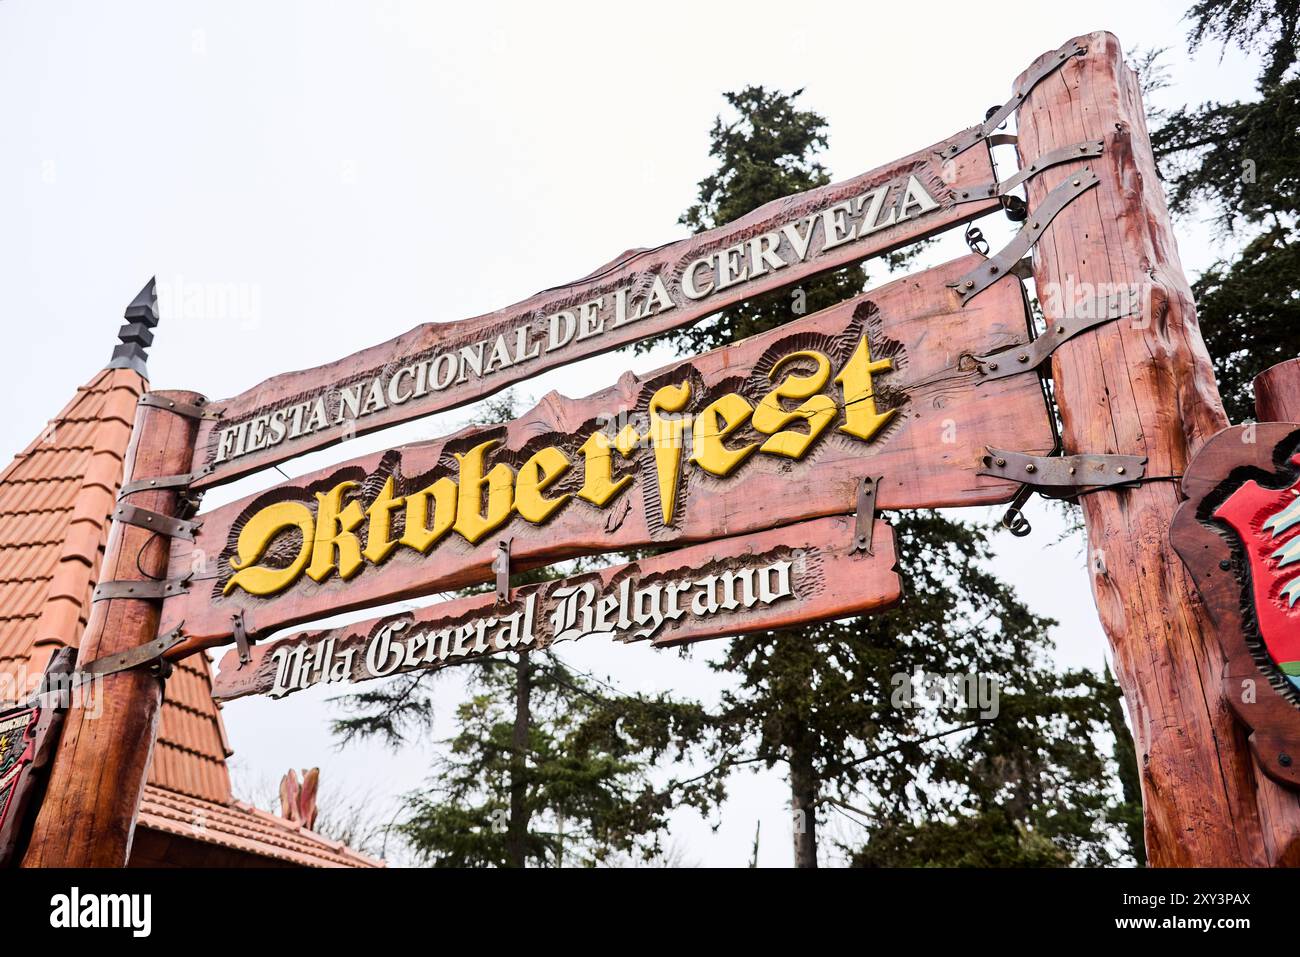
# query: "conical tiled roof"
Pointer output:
{"type": "Point", "coordinates": [55, 500]}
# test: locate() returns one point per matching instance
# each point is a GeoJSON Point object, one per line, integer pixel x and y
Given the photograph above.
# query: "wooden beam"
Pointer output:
{"type": "Point", "coordinates": [88, 816]}
{"type": "Point", "coordinates": [1144, 386]}
{"type": "Point", "coordinates": [443, 365]}
{"type": "Point", "coordinates": [1277, 393]}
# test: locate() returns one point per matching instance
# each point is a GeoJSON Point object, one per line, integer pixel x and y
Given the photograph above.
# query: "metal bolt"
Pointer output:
{"type": "Point", "coordinates": [1121, 470]}
{"type": "Point", "coordinates": [1060, 330]}
{"type": "Point", "coordinates": [970, 284]}
{"type": "Point", "coordinates": [1031, 467]}
{"type": "Point", "coordinates": [993, 270]}
{"type": "Point", "coordinates": [1076, 182]}
{"type": "Point", "coordinates": [1023, 357]}
{"type": "Point", "coordinates": [993, 365]}
{"type": "Point", "coordinates": [1225, 564]}
{"type": "Point", "coordinates": [1284, 759]}
{"type": "Point", "coordinates": [1001, 461]}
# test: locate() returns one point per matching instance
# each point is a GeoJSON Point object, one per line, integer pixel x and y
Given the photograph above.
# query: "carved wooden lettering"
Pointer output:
{"type": "Point", "coordinates": [770, 431]}
{"type": "Point", "coordinates": [439, 366]}
{"type": "Point", "coordinates": [797, 575]}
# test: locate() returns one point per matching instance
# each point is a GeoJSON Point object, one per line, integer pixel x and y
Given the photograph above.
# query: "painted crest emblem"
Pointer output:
{"type": "Point", "coordinates": [15, 752]}
{"type": "Point", "coordinates": [1267, 524]}
{"type": "Point", "coordinates": [1239, 536]}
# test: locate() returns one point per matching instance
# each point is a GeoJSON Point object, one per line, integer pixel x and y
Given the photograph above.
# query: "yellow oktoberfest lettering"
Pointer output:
{"type": "Point", "coordinates": [726, 431]}
{"type": "Point", "coordinates": [256, 537]}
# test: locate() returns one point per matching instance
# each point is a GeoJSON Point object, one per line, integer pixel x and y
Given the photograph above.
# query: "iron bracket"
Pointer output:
{"type": "Point", "coordinates": [865, 523]}
{"type": "Point", "coordinates": [501, 565]}
{"type": "Point", "coordinates": [1056, 157]}
{"type": "Point", "coordinates": [145, 588]}
{"type": "Point", "coordinates": [243, 635]}
{"type": "Point", "coordinates": [1063, 476]}
{"type": "Point", "coordinates": [182, 482]}
{"type": "Point", "coordinates": [988, 129]}
{"type": "Point", "coordinates": [991, 270]}
{"type": "Point", "coordinates": [197, 410]}
{"type": "Point", "coordinates": [129, 514]}
{"type": "Point", "coordinates": [1032, 355]}
{"type": "Point", "coordinates": [150, 653]}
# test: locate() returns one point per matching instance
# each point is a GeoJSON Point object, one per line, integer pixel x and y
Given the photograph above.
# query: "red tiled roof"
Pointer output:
{"type": "Point", "coordinates": [242, 827]}
{"type": "Point", "coordinates": [55, 500]}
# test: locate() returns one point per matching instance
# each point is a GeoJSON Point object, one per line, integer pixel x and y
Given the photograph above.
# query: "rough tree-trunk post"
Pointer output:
{"type": "Point", "coordinates": [1145, 386]}
{"type": "Point", "coordinates": [1277, 393]}
{"type": "Point", "coordinates": [88, 816]}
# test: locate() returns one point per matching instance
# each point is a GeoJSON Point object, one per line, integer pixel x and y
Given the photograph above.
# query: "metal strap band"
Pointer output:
{"type": "Point", "coordinates": [501, 565]}
{"type": "Point", "coordinates": [129, 514]}
{"type": "Point", "coordinates": [1065, 154]}
{"type": "Point", "coordinates": [991, 270]}
{"type": "Point", "coordinates": [146, 654]}
{"type": "Point", "coordinates": [989, 127]}
{"type": "Point", "coordinates": [865, 524]}
{"type": "Point", "coordinates": [145, 588]}
{"type": "Point", "coordinates": [1065, 475]}
{"type": "Point", "coordinates": [1032, 355]}
{"type": "Point", "coordinates": [243, 635]}
{"type": "Point", "coordinates": [182, 481]}
{"type": "Point", "coordinates": [194, 411]}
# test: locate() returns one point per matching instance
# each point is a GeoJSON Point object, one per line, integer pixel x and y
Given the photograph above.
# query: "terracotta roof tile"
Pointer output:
{"type": "Point", "coordinates": [244, 828]}
{"type": "Point", "coordinates": [55, 499]}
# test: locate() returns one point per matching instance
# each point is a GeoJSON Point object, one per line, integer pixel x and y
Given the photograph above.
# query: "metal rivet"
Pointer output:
{"type": "Point", "coordinates": [1031, 467]}
{"type": "Point", "coordinates": [1284, 759]}
{"type": "Point", "coordinates": [993, 365]}
{"type": "Point", "coordinates": [1023, 357]}
{"type": "Point", "coordinates": [1225, 564]}
{"type": "Point", "coordinates": [1073, 470]}
{"type": "Point", "coordinates": [993, 269]}
{"type": "Point", "coordinates": [1060, 330]}
{"type": "Point", "coordinates": [964, 195]}
{"type": "Point", "coordinates": [970, 284]}
{"type": "Point", "coordinates": [1001, 461]}
{"type": "Point", "coordinates": [1121, 470]}
{"type": "Point", "coordinates": [1076, 182]}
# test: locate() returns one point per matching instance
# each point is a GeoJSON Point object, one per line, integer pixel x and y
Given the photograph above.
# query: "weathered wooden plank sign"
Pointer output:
{"type": "Point", "coordinates": [439, 366]}
{"type": "Point", "coordinates": [777, 429]}
{"type": "Point", "coordinates": [799, 574]}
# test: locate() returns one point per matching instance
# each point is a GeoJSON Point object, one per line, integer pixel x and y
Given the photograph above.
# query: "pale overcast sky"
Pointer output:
{"type": "Point", "coordinates": [349, 170]}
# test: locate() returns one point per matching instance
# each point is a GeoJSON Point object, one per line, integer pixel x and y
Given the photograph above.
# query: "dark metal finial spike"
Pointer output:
{"type": "Point", "coordinates": [136, 334]}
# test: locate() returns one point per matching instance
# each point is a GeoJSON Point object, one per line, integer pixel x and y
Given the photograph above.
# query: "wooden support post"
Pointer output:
{"type": "Point", "coordinates": [88, 816]}
{"type": "Point", "coordinates": [1277, 393]}
{"type": "Point", "coordinates": [1144, 385]}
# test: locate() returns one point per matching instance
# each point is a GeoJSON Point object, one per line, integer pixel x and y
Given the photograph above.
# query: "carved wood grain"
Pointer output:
{"type": "Point", "coordinates": [1145, 387]}
{"type": "Point", "coordinates": [927, 456]}
{"type": "Point", "coordinates": [88, 816]}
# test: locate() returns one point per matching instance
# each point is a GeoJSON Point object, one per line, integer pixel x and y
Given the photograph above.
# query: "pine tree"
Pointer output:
{"type": "Point", "coordinates": [820, 701]}
{"type": "Point", "coordinates": [1242, 161]}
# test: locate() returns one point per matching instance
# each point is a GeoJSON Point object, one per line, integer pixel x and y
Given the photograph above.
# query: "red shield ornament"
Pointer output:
{"type": "Point", "coordinates": [1238, 533]}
